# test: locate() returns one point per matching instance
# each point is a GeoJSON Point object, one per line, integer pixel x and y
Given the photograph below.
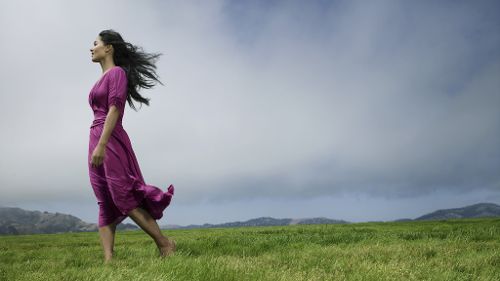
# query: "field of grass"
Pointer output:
{"type": "Point", "coordinates": [432, 250]}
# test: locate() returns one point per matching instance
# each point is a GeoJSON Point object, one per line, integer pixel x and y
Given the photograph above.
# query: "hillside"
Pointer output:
{"type": "Point", "coordinates": [265, 221]}
{"type": "Point", "coordinates": [18, 221]}
{"type": "Point", "coordinates": [472, 211]}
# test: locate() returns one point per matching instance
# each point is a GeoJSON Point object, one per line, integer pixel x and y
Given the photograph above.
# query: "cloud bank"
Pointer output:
{"type": "Point", "coordinates": [262, 99]}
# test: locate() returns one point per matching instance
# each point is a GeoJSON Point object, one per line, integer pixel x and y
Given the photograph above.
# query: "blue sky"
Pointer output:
{"type": "Point", "coordinates": [350, 110]}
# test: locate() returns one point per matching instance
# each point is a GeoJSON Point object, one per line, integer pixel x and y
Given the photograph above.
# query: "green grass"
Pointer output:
{"type": "Point", "coordinates": [432, 250]}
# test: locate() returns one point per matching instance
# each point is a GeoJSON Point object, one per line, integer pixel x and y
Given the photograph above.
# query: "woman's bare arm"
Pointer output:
{"type": "Point", "coordinates": [109, 125]}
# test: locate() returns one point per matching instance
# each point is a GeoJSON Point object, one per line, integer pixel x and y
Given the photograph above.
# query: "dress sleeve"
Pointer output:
{"type": "Point", "coordinates": [117, 88]}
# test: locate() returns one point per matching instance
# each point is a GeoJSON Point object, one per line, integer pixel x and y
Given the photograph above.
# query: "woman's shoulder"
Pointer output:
{"type": "Point", "coordinates": [117, 69]}
{"type": "Point", "coordinates": [116, 72]}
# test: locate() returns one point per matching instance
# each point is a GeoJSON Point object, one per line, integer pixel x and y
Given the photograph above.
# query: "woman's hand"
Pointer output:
{"type": "Point", "coordinates": [98, 155]}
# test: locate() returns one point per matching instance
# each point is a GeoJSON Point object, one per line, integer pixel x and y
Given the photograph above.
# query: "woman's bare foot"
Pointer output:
{"type": "Point", "coordinates": [108, 257]}
{"type": "Point", "coordinates": [166, 247]}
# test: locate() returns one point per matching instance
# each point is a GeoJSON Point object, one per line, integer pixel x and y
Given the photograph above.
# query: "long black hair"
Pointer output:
{"type": "Point", "coordinates": [139, 65]}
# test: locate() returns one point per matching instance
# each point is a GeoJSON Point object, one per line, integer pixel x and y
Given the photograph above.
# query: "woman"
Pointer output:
{"type": "Point", "coordinates": [114, 173]}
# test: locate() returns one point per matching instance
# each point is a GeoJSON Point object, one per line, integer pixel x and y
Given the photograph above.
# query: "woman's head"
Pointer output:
{"type": "Point", "coordinates": [139, 66]}
{"type": "Point", "coordinates": [101, 50]}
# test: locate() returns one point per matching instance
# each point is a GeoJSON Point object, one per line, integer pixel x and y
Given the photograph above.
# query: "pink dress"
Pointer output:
{"type": "Point", "coordinates": [118, 183]}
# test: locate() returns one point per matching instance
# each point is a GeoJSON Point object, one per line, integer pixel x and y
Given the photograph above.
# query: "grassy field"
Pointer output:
{"type": "Point", "coordinates": [438, 250]}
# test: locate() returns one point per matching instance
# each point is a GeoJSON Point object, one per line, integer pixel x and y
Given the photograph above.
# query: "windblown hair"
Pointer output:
{"type": "Point", "coordinates": [139, 66]}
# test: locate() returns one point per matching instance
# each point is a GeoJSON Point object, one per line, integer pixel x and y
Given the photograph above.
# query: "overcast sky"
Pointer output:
{"type": "Point", "coordinates": [354, 110]}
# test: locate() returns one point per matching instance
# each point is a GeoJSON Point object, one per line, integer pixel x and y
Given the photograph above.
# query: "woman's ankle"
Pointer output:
{"type": "Point", "coordinates": [162, 242]}
{"type": "Point", "coordinates": [108, 255]}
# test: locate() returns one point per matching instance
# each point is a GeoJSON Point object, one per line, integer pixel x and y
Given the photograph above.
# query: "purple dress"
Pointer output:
{"type": "Point", "coordinates": [118, 183]}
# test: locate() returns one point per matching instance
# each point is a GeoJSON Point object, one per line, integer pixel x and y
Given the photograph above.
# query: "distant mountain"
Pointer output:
{"type": "Point", "coordinates": [472, 211]}
{"type": "Point", "coordinates": [18, 221]}
{"type": "Point", "coordinates": [262, 221]}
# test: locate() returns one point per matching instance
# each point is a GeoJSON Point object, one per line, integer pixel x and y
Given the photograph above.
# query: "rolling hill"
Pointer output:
{"type": "Point", "coordinates": [18, 221]}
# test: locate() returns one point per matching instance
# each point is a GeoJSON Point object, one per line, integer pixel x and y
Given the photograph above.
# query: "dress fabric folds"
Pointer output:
{"type": "Point", "coordinates": [118, 183]}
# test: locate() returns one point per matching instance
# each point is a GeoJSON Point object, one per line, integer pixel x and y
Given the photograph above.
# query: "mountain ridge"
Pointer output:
{"type": "Point", "coordinates": [14, 220]}
{"type": "Point", "coordinates": [472, 211]}
{"type": "Point", "coordinates": [261, 221]}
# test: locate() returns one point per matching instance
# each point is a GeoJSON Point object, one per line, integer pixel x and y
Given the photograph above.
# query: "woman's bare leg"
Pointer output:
{"type": "Point", "coordinates": [150, 226]}
{"type": "Point", "coordinates": [107, 234]}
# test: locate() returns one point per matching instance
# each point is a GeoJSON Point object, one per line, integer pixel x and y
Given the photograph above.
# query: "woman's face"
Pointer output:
{"type": "Point", "coordinates": [99, 51]}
